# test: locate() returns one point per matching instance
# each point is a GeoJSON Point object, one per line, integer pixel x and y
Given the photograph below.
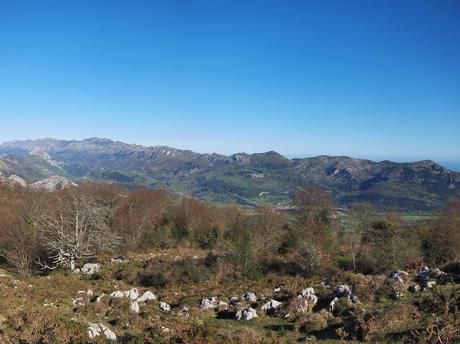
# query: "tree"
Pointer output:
{"type": "Point", "coordinates": [18, 229]}
{"type": "Point", "coordinates": [268, 228]}
{"type": "Point", "coordinates": [362, 215]}
{"type": "Point", "coordinates": [75, 227]}
{"type": "Point", "coordinates": [314, 212]}
{"type": "Point", "coordinates": [16, 241]}
{"type": "Point", "coordinates": [141, 213]}
{"type": "Point", "coordinates": [242, 242]}
{"type": "Point", "coordinates": [392, 243]}
{"type": "Point", "coordinates": [351, 239]}
{"type": "Point", "coordinates": [441, 240]}
{"type": "Point", "coordinates": [107, 195]}
{"type": "Point", "coordinates": [198, 220]}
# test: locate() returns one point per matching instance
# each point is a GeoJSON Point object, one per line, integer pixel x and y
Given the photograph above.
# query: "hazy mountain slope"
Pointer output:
{"type": "Point", "coordinates": [244, 178]}
{"type": "Point", "coordinates": [30, 167]}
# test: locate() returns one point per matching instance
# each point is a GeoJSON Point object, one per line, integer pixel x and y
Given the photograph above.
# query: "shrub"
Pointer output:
{"type": "Point", "coordinates": [309, 257]}
{"type": "Point", "coordinates": [366, 263]}
{"type": "Point", "coordinates": [452, 267]}
{"type": "Point", "coordinates": [314, 322]}
{"type": "Point", "coordinates": [155, 280]}
{"type": "Point", "coordinates": [243, 253]}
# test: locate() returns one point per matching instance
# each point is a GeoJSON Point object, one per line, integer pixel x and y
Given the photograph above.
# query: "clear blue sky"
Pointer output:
{"type": "Point", "coordinates": [376, 79]}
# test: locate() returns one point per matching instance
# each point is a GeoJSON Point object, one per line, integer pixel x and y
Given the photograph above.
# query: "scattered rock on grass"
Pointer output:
{"type": "Point", "coordinates": [119, 260]}
{"type": "Point", "coordinates": [342, 291]}
{"type": "Point", "coordinates": [309, 295]}
{"type": "Point", "coordinates": [95, 330]}
{"type": "Point", "coordinates": [165, 307]}
{"type": "Point", "coordinates": [271, 306]}
{"type": "Point", "coordinates": [209, 303]}
{"type": "Point", "coordinates": [147, 296]}
{"type": "Point", "coordinates": [89, 269]}
{"type": "Point", "coordinates": [134, 306]}
{"type": "Point", "coordinates": [399, 276]}
{"type": "Point", "coordinates": [246, 314]}
{"type": "Point", "coordinates": [117, 294]}
{"type": "Point", "coordinates": [250, 297]}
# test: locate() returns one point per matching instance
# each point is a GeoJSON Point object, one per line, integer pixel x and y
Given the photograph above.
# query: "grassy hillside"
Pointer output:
{"type": "Point", "coordinates": [57, 308]}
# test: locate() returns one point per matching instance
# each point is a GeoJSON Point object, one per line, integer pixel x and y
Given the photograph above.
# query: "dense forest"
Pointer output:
{"type": "Point", "coordinates": [360, 274]}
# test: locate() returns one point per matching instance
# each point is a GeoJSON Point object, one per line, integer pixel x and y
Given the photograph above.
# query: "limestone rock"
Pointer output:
{"type": "Point", "coordinates": [147, 296]}
{"type": "Point", "coordinates": [342, 291]}
{"type": "Point", "coordinates": [95, 330]}
{"type": "Point", "coordinates": [309, 294]}
{"type": "Point", "coordinates": [90, 268]}
{"type": "Point", "coordinates": [271, 306]}
{"type": "Point", "coordinates": [250, 297]}
{"type": "Point", "coordinates": [246, 314]}
{"type": "Point", "coordinates": [209, 303]}
{"type": "Point", "coordinates": [134, 306]}
{"type": "Point", "coordinates": [165, 307]}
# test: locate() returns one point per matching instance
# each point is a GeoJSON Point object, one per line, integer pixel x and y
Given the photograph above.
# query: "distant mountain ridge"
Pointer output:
{"type": "Point", "coordinates": [248, 179]}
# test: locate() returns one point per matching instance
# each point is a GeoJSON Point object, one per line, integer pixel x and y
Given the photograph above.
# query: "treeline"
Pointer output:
{"type": "Point", "coordinates": [41, 231]}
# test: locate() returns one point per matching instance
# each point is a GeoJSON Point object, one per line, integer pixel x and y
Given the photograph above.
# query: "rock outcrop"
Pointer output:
{"type": "Point", "coordinates": [52, 184]}
{"type": "Point", "coordinates": [271, 306]}
{"type": "Point", "coordinates": [246, 314]}
{"type": "Point", "coordinates": [95, 330]}
{"type": "Point", "coordinates": [89, 269]}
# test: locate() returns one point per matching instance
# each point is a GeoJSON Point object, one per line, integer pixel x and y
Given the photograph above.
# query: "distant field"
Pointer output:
{"type": "Point", "coordinates": [417, 217]}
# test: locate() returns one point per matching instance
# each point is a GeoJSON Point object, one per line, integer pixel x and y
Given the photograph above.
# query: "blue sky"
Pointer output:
{"type": "Point", "coordinates": [374, 79]}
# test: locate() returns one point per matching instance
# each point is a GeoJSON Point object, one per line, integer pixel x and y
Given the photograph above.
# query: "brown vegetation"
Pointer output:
{"type": "Point", "coordinates": [41, 231]}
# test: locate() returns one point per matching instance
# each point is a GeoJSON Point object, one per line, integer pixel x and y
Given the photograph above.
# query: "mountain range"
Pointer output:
{"type": "Point", "coordinates": [247, 179]}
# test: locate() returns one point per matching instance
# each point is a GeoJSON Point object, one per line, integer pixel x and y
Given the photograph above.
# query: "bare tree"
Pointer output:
{"type": "Point", "coordinates": [74, 228]}
{"type": "Point", "coordinates": [16, 241]}
{"type": "Point", "coordinates": [351, 240]}
{"type": "Point", "coordinates": [315, 212]}
{"type": "Point", "coordinates": [441, 240]}
{"type": "Point", "coordinates": [198, 219]}
{"type": "Point", "coordinates": [269, 227]}
{"type": "Point", "coordinates": [18, 229]}
{"type": "Point", "coordinates": [143, 211]}
{"type": "Point", "coordinates": [362, 215]}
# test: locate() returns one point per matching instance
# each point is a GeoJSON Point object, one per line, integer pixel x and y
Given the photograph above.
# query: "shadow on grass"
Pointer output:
{"type": "Point", "coordinates": [280, 327]}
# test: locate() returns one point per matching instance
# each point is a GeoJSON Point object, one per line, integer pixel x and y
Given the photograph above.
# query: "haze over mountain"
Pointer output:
{"type": "Point", "coordinates": [247, 179]}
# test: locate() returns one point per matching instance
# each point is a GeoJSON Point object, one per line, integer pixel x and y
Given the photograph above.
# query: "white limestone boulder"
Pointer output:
{"type": "Point", "coordinates": [165, 307]}
{"type": "Point", "coordinates": [271, 306]}
{"type": "Point", "coordinates": [246, 314]}
{"type": "Point", "coordinates": [250, 297]}
{"type": "Point", "coordinates": [90, 268]}
{"type": "Point", "coordinates": [95, 330]}
{"type": "Point", "coordinates": [147, 296]}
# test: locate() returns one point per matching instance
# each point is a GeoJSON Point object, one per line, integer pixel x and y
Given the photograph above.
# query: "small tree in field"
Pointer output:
{"type": "Point", "coordinates": [74, 228]}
